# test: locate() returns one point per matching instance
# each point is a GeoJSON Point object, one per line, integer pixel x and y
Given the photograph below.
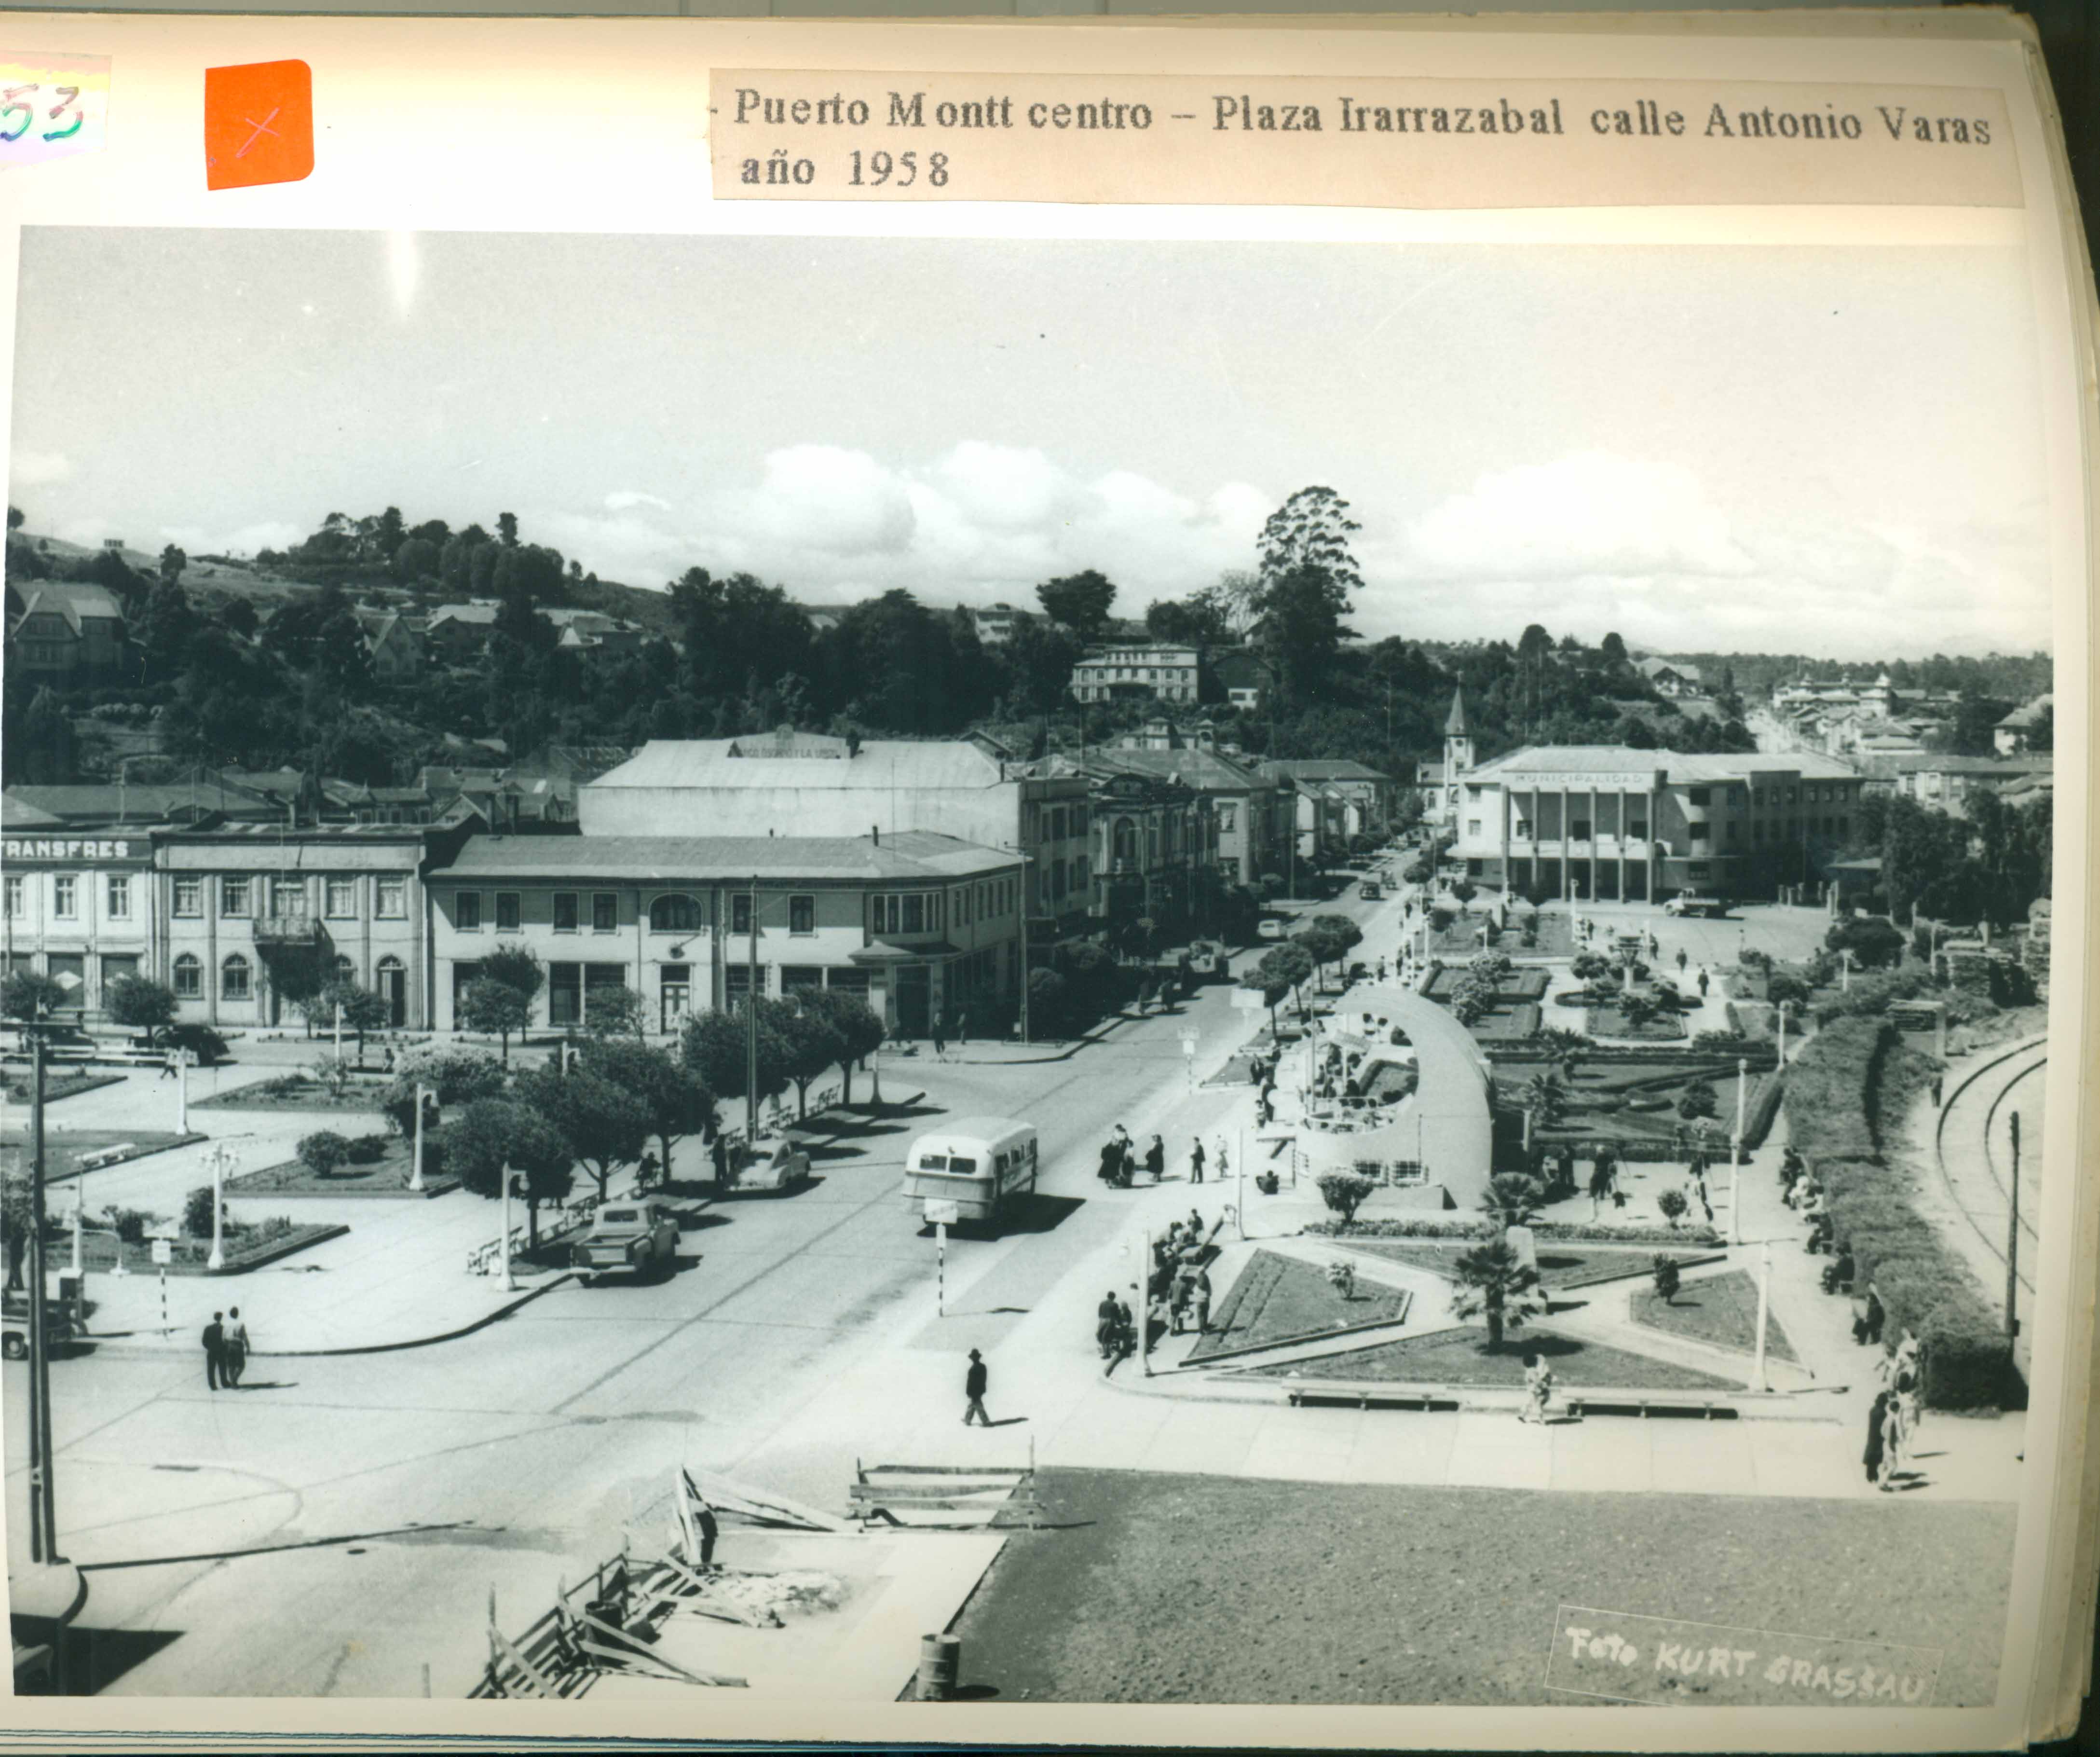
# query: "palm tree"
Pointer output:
{"type": "Point", "coordinates": [1494, 1284]}
{"type": "Point", "coordinates": [1513, 1200]}
{"type": "Point", "coordinates": [1562, 1048]}
{"type": "Point", "coordinates": [1545, 1102]}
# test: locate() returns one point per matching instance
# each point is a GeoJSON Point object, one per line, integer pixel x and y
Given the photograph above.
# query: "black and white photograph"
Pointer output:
{"type": "Point", "coordinates": [1025, 970]}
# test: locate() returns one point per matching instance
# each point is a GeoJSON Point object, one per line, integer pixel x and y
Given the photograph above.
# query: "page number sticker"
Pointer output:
{"type": "Point", "coordinates": [259, 123]}
{"type": "Point", "coordinates": [51, 106]}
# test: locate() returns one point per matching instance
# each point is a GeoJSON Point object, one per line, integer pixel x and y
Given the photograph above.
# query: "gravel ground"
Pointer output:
{"type": "Point", "coordinates": [1722, 1309]}
{"type": "Point", "coordinates": [1460, 1357]}
{"type": "Point", "coordinates": [1218, 1589]}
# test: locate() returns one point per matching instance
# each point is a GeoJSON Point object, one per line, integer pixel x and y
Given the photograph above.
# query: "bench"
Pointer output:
{"type": "Point", "coordinates": [1580, 1403]}
{"type": "Point", "coordinates": [1355, 1397]}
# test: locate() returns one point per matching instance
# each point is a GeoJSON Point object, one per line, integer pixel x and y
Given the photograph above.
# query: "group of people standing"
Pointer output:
{"type": "Point", "coordinates": [1120, 1162]}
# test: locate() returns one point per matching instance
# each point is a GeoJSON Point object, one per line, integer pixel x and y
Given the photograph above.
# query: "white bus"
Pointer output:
{"type": "Point", "coordinates": [977, 1162]}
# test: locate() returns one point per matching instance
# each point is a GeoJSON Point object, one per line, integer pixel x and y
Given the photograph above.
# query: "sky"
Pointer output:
{"type": "Point", "coordinates": [1715, 449]}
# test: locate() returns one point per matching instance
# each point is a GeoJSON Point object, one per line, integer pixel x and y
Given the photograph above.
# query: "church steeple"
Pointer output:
{"type": "Point", "coordinates": [1458, 745]}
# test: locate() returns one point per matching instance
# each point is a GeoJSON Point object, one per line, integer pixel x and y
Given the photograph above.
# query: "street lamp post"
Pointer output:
{"type": "Point", "coordinates": [1736, 1191]}
{"type": "Point", "coordinates": [422, 1100]}
{"type": "Point", "coordinates": [43, 1506]}
{"type": "Point", "coordinates": [181, 1092]}
{"type": "Point", "coordinates": [1760, 1383]}
{"type": "Point", "coordinates": [217, 1260]}
{"type": "Point", "coordinates": [509, 1281]}
{"type": "Point", "coordinates": [1783, 1006]}
{"type": "Point", "coordinates": [1742, 1094]}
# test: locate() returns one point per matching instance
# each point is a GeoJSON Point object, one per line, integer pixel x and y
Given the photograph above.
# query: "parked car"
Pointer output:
{"type": "Point", "coordinates": [1272, 929]}
{"type": "Point", "coordinates": [1689, 903]}
{"type": "Point", "coordinates": [207, 1048]}
{"type": "Point", "coordinates": [777, 1166]}
{"type": "Point", "coordinates": [62, 1043]}
{"type": "Point", "coordinates": [1369, 891]}
{"type": "Point", "coordinates": [638, 1238]}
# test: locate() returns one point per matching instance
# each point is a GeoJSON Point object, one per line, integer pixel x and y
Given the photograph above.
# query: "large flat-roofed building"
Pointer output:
{"type": "Point", "coordinates": [922, 926]}
{"type": "Point", "coordinates": [1605, 822]}
{"type": "Point", "coordinates": [78, 904]}
{"type": "Point", "coordinates": [808, 783]}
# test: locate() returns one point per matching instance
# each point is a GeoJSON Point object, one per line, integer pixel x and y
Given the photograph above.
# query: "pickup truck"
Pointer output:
{"type": "Point", "coordinates": [636, 1238]}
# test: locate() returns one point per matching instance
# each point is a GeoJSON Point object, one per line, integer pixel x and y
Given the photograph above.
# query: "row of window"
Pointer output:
{"type": "Point", "coordinates": [236, 975]}
{"type": "Point", "coordinates": [288, 897]}
{"type": "Point", "coordinates": [65, 896]}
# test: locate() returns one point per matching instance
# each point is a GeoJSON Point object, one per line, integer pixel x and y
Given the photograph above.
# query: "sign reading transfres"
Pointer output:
{"type": "Point", "coordinates": [38, 850]}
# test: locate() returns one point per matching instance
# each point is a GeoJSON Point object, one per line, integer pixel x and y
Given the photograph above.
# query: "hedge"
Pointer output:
{"type": "Point", "coordinates": [1560, 1231]}
{"type": "Point", "coordinates": [1831, 1093]}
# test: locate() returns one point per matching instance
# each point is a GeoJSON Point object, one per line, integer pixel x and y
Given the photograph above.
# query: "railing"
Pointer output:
{"type": "Point", "coordinates": [291, 928]}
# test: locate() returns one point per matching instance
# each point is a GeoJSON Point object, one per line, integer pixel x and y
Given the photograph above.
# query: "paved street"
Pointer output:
{"type": "Point", "coordinates": [800, 1334]}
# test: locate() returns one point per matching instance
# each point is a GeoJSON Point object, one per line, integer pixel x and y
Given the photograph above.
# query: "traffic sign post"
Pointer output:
{"type": "Point", "coordinates": [943, 1215]}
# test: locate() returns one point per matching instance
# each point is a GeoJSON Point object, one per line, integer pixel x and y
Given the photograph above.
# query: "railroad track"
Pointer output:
{"type": "Point", "coordinates": [1980, 1183]}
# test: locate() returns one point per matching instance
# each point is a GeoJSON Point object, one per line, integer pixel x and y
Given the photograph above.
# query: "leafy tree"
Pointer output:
{"type": "Point", "coordinates": [1871, 941]}
{"type": "Point", "coordinates": [489, 1133]}
{"type": "Point", "coordinates": [14, 518]}
{"type": "Point", "coordinates": [140, 1004]}
{"type": "Point", "coordinates": [1590, 967]}
{"type": "Point", "coordinates": [1047, 1002]}
{"type": "Point", "coordinates": [1308, 575]}
{"type": "Point", "coordinates": [164, 627]}
{"type": "Point", "coordinates": [50, 750]}
{"type": "Point", "coordinates": [24, 994]}
{"type": "Point", "coordinates": [812, 1042]}
{"type": "Point", "coordinates": [515, 967]}
{"type": "Point", "coordinates": [617, 1013]}
{"type": "Point", "coordinates": [1545, 1102]}
{"type": "Point", "coordinates": [1638, 1007]}
{"type": "Point", "coordinates": [506, 529]}
{"type": "Point", "coordinates": [1673, 1205]}
{"type": "Point", "coordinates": [1495, 1285]}
{"type": "Point", "coordinates": [1612, 650]}
{"type": "Point", "coordinates": [488, 1006]}
{"type": "Point", "coordinates": [674, 1101]}
{"type": "Point", "coordinates": [1204, 620]}
{"type": "Point", "coordinates": [861, 1030]}
{"type": "Point", "coordinates": [1787, 987]}
{"type": "Point", "coordinates": [1344, 1192]}
{"type": "Point", "coordinates": [1289, 967]}
{"type": "Point", "coordinates": [197, 1212]}
{"type": "Point", "coordinates": [605, 1123]}
{"type": "Point", "coordinates": [1667, 1278]}
{"type": "Point", "coordinates": [1080, 601]}
{"type": "Point", "coordinates": [416, 559]}
{"type": "Point", "coordinates": [1698, 1099]}
{"type": "Point", "coordinates": [450, 1075]}
{"type": "Point", "coordinates": [717, 1047]}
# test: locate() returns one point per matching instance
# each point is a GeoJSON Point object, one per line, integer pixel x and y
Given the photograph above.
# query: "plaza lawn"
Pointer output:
{"type": "Point", "coordinates": [1722, 1309]}
{"type": "Point", "coordinates": [246, 1246]}
{"type": "Point", "coordinates": [1559, 1266]}
{"type": "Point", "coordinates": [1155, 1588]}
{"type": "Point", "coordinates": [64, 1151]}
{"type": "Point", "coordinates": [1278, 1299]}
{"type": "Point", "coordinates": [1461, 1358]}
{"type": "Point", "coordinates": [57, 1085]}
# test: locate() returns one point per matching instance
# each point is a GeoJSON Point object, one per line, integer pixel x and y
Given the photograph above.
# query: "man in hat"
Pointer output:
{"type": "Point", "coordinates": [974, 1383]}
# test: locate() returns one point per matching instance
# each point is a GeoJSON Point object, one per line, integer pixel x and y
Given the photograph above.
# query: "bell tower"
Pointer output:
{"type": "Point", "coordinates": [1457, 740]}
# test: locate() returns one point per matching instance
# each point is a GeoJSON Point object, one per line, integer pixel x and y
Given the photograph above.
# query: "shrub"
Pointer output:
{"type": "Point", "coordinates": [129, 1225]}
{"type": "Point", "coordinates": [1441, 918]}
{"type": "Point", "coordinates": [365, 1149]}
{"type": "Point", "coordinates": [1699, 1100]}
{"type": "Point", "coordinates": [196, 1212]}
{"type": "Point", "coordinates": [1667, 1279]}
{"type": "Point", "coordinates": [324, 1153]}
{"type": "Point", "coordinates": [1673, 1204]}
{"type": "Point", "coordinates": [1344, 1193]}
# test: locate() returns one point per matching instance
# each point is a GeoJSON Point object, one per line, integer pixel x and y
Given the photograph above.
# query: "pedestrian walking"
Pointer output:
{"type": "Point", "coordinates": [236, 1362]}
{"type": "Point", "coordinates": [718, 1151]}
{"type": "Point", "coordinates": [975, 1382]}
{"type": "Point", "coordinates": [1936, 1081]}
{"type": "Point", "coordinates": [1682, 960]}
{"type": "Point", "coordinates": [1702, 981]}
{"type": "Point", "coordinates": [1106, 1322]}
{"type": "Point", "coordinates": [1224, 1161]}
{"type": "Point", "coordinates": [169, 1063]}
{"type": "Point", "coordinates": [215, 1350]}
{"type": "Point", "coordinates": [1111, 1161]}
{"type": "Point", "coordinates": [1877, 1443]}
{"type": "Point", "coordinates": [1893, 1439]}
{"type": "Point", "coordinates": [1199, 1300]}
{"type": "Point", "coordinates": [1537, 1387]}
{"type": "Point", "coordinates": [940, 1040]}
{"type": "Point", "coordinates": [962, 1029]}
{"type": "Point", "coordinates": [1155, 1159]}
{"type": "Point", "coordinates": [1196, 1160]}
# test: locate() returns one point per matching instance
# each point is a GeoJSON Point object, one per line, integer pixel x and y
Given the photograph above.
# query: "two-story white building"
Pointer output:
{"type": "Point", "coordinates": [1160, 671]}
{"type": "Point", "coordinates": [1604, 822]}
{"type": "Point", "coordinates": [923, 926]}
{"type": "Point", "coordinates": [78, 903]}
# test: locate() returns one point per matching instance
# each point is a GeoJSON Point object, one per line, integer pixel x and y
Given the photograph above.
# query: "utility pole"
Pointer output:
{"type": "Point", "coordinates": [751, 1029]}
{"type": "Point", "coordinates": [2012, 1240]}
{"type": "Point", "coordinates": [422, 1102]}
{"type": "Point", "coordinates": [43, 1505]}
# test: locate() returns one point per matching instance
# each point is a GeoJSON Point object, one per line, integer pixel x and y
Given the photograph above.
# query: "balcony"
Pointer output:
{"type": "Point", "coordinates": [294, 927]}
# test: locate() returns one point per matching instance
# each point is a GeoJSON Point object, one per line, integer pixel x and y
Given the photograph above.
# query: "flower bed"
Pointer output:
{"type": "Point", "coordinates": [1559, 1268]}
{"type": "Point", "coordinates": [386, 1177]}
{"type": "Point", "coordinates": [247, 1248]}
{"type": "Point", "coordinates": [1277, 1300]}
{"type": "Point", "coordinates": [1462, 1357]}
{"type": "Point", "coordinates": [58, 1085]}
{"type": "Point", "coordinates": [1561, 1231]}
{"type": "Point", "coordinates": [1518, 985]}
{"type": "Point", "coordinates": [1718, 1310]}
{"type": "Point", "coordinates": [1609, 1021]}
{"type": "Point", "coordinates": [298, 1092]}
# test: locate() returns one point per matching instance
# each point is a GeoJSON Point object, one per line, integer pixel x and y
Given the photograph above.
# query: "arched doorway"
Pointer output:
{"type": "Point", "coordinates": [393, 986]}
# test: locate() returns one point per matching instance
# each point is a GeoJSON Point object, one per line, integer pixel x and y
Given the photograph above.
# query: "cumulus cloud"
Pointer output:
{"type": "Point", "coordinates": [39, 469]}
{"type": "Point", "coordinates": [977, 522]}
{"type": "Point", "coordinates": [1584, 515]}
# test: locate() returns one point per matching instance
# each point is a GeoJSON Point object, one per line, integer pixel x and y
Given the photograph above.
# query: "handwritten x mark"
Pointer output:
{"type": "Point", "coordinates": [261, 128]}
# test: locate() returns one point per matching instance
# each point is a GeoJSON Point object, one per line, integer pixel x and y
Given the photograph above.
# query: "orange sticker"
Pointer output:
{"type": "Point", "coordinates": [259, 123]}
